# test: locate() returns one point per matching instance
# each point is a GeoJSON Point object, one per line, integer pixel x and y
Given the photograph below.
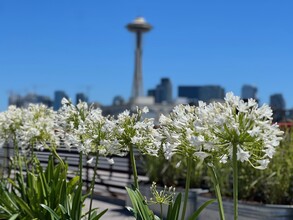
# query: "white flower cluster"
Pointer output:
{"type": "Point", "coordinates": [212, 131]}
{"type": "Point", "coordinates": [33, 126]}
{"type": "Point", "coordinates": [180, 134]}
{"type": "Point", "coordinates": [203, 132]}
{"type": "Point", "coordinates": [132, 130]}
{"type": "Point", "coordinates": [84, 127]}
{"type": "Point", "coordinates": [10, 123]}
{"type": "Point", "coordinates": [37, 128]}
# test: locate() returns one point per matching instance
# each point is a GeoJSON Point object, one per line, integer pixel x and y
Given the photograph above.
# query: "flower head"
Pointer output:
{"type": "Point", "coordinates": [165, 196]}
{"type": "Point", "coordinates": [241, 124]}
{"type": "Point", "coordinates": [133, 129]}
{"type": "Point", "coordinates": [38, 128]}
{"type": "Point", "coordinates": [10, 123]}
{"type": "Point", "coordinates": [182, 132]}
{"type": "Point", "coordinates": [85, 128]}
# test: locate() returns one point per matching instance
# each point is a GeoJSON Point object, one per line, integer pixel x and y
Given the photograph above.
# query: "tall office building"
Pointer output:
{"type": "Point", "coordinates": [163, 92]}
{"type": "Point", "coordinates": [211, 93]}
{"type": "Point", "coordinates": [277, 101]}
{"type": "Point", "coordinates": [278, 105]}
{"type": "Point", "coordinates": [207, 93]}
{"type": "Point", "coordinates": [192, 93]}
{"type": "Point", "coordinates": [248, 91]}
{"type": "Point", "coordinates": [58, 96]}
{"type": "Point", "coordinates": [81, 97]}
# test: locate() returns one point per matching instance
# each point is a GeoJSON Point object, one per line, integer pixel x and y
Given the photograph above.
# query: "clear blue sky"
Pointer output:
{"type": "Point", "coordinates": [83, 46]}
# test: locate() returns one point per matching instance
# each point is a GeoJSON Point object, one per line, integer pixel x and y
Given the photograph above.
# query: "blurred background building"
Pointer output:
{"type": "Point", "coordinates": [58, 96]}
{"type": "Point", "coordinates": [207, 93]}
{"type": "Point", "coordinates": [278, 105]}
{"type": "Point", "coordinates": [248, 92]}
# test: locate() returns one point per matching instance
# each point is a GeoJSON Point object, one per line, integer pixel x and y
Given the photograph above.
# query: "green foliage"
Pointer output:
{"type": "Point", "coordinates": [140, 208]}
{"type": "Point", "coordinates": [42, 193]}
{"type": "Point", "coordinates": [174, 209]}
{"type": "Point", "coordinates": [141, 211]}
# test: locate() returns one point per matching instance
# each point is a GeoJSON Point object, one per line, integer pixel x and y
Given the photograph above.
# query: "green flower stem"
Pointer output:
{"type": "Point", "coordinates": [57, 156]}
{"type": "Point", "coordinates": [19, 163]}
{"type": "Point", "coordinates": [218, 192]}
{"type": "Point", "coordinates": [187, 185]}
{"type": "Point", "coordinates": [133, 164]}
{"type": "Point", "coordinates": [235, 181]}
{"type": "Point", "coordinates": [93, 184]}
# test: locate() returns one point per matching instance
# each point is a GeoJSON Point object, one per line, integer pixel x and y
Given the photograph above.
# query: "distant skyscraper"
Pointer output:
{"type": "Point", "coordinates": [58, 96]}
{"type": "Point", "coordinates": [211, 93]}
{"type": "Point", "coordinates": [162, 92]}
{"type": "Point", "coordinates": [138, 26]}
{"type": "Point", "coordinates": [81, 97]}
{"type": "Point", "coordinates": [45, 100]}
{"type": "Point", "coordinates": [248, 92]}
{"type": "Point", "coordinates": [277, 103]}
{"type": "Point", "coordinates": [152, 92]}
{"type": "Point", "coordinates": [201, 93]}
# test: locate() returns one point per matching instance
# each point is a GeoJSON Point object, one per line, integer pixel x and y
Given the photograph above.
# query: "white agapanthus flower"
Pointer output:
{"type": "Point", "coordinates": [86, 129]}
{"type": "Point", "coordinates": [213, 130]}
{"type": "Point", "coordinates": [241, 124]}
{"type": "Point", "coordinates": [180, 136]}
{"type": "Point", "coordinates": [131, 129]}
{"type": "Point", "coordinates": [10, 123]}
{"type": "Point", "coordinates": [38, 128]}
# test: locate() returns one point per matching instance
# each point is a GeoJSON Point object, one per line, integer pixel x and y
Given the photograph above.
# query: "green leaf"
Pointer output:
{"type": "Point", "coordinates": [200, 209]}
{"type": "Point", "coordinates": [64, 211]}
{"type": "Point", "coordinates": [77, 203]}
{"type": "Point", "coordinates": [24, 206]}
{"type": "Point", "coordinates": [6, 200]}
{"type": "Point", "coordinates": [53, 214]}
{"type": "Point", "coordinates": [175, 209]}
{"type": "Point", "coordinates": [13, 217]}
{"type": "Point", "coordinates": [140, 207]}
{"type": "Point", "coordinates": [99, 215]}
{"type": "Point", "coordinates": [72, 184]}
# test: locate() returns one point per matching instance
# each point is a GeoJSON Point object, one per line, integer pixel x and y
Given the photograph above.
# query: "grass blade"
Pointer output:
{"type": "Point", "coordinates": [200, 209]}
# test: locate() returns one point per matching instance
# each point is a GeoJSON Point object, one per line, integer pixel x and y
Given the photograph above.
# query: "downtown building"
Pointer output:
{"type": "Point", "coordinates": [278, 105]}
{"type": "Point", "coordinates": [249, 92]}
{"type": "Point", "coordinates": [163, 92]}
{"type": "Point", "coordinates": [208, 93]}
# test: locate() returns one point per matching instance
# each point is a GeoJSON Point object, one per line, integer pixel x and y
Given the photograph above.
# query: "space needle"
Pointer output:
{"type": "Point", "coordinates": [139, 26]}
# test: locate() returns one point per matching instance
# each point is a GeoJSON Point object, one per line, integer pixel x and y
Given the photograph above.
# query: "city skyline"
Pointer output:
{"type": "Point", "coordinates": [84, 47]}
{"type": "Point", "coordinates": [165, 89]}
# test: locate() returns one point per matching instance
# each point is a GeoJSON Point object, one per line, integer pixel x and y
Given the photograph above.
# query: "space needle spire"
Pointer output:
{"type": "Point", "coordinates": [138, 26]}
